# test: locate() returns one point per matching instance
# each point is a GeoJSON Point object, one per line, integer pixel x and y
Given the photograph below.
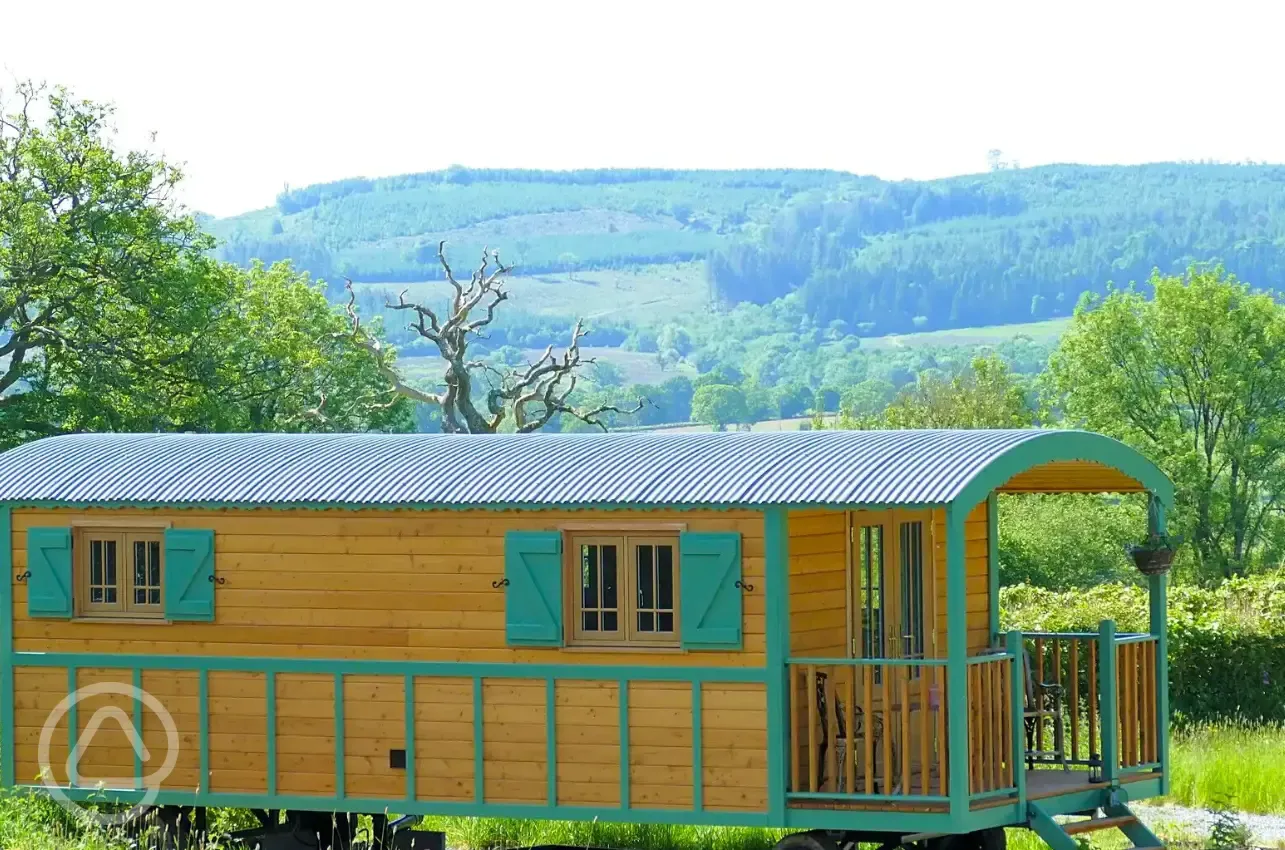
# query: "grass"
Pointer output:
{"type": "Point", "coordinates": [1039, 331]}
{"type": "Point", "coordinates": [1243, 764]}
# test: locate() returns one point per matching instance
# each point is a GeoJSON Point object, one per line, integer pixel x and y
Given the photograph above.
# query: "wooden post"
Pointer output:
{"type": "Point", "coordinates": [957, 663]}
{"type": "Point", "coordinates": [776, 590]}
{"type": "Point", "coordinates": [1109, 717]}
{"type": "Point", "coordinates": [1017, 727]}
{"type": "Point", "coordinates": [1157, 587]}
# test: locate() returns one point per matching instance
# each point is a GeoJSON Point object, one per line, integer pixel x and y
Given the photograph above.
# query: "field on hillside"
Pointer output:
{"type": "Point", "coordinates": [648, 296]}
{"type": "Point", "coordinates": [1046, 331]}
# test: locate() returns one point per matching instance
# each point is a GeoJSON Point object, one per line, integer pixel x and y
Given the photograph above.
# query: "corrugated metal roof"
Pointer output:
{"type": "Point", "coordinates": [373, 470]}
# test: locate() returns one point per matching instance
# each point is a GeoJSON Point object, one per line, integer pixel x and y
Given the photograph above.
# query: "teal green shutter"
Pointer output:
{"type": "Point", "coordinates": [533, 595]}
{"type": "Point", "coordinates": [49, 587]}
{"type": "Point", "coordinates": [189, 574]}
{"type": "Point", "coordinates": [708, 572]}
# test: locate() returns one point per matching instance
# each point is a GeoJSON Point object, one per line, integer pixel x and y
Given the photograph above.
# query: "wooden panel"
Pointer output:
{"type": "Point", "coordinates": [818, 583]}
{"type": "Point", "coordinates": [444, 738]}
{"type": "Point", "coordinates": [976, 566]}
{"type": "Point", "coordinates": [305, 712]}
{"type": "Point", "coordinates": [374, 724]}
{"type": "Point", "coordinates": [733, 777]}
{"type": "Point", "coordinates": [513, 741]}
{"type": "Point", "coordinates": [105, 723]}
{"type": "Point", "coordinates": [588, 742]}
{"type": "Point", "coordinates": [238, 731]}
{"type": "Point", "coordinates": [379, 584]}
{"type": "Point", "coordinates": [660, 745]}
{"type": "Point", "coordinates": [37, 692]}
{"type": "Point", "coordinates": [1072, 477]}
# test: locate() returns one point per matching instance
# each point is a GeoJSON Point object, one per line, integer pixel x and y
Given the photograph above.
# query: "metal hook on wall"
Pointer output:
{"type": "Point", "coordinates": [748, 588]}
{"type": "Point", "coordinates": [501, 583]}
{"type": "Point", "coordinates": [23, 576]}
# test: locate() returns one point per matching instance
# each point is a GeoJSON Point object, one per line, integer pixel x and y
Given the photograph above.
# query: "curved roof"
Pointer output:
{"type": "Point", "coordinates": [848, 468]}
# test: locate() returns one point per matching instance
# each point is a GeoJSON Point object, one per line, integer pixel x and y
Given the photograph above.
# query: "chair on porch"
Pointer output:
{"type": "Point", "coordinates": [841, 738]}
{"type": "Point", "coordinates": [1044, 702]}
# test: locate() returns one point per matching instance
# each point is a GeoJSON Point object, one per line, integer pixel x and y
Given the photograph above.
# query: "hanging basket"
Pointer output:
{"type": "Point", "coordinates": [1152, 562]}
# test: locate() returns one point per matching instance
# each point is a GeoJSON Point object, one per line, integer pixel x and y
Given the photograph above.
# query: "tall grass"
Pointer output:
{"type": "Point", "coordinates": [1242, 764]}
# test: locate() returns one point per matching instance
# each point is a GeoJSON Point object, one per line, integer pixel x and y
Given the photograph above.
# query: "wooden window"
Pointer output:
{"type": "Point", "coordinates": [119, 573]}
{"type": "Point", "coordinates": [624, 589]}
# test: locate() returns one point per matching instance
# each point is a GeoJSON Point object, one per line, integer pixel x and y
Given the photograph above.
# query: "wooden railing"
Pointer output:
{"type": "Point", "coordinates": [1136, 702]}
{"type": "Point", "coordinates": [866, 728]}
{"type": "Point", "coordinates": [1062, 685]}
{"type": "Point", "coordinates": [990, 724]}
{"type": "Point", "coordinates": [1091, 700]}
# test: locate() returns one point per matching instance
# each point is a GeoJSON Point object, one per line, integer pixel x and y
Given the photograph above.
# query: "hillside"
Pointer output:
{"type": "Point", "coordinates": [866, 257]}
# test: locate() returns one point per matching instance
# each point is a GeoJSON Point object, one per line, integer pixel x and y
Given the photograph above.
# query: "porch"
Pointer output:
{"type": "Point", "coordinates": [1046, 715]}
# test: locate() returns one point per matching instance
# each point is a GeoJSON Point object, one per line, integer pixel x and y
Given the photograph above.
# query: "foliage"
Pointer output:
{"type": "Point", "coordinates": [1195, 378]}
{"type": "Point", "coordinates": [89, 243]}
{"type": "Point", "coordinates": [113, 318]}
{"type": "Point", "coordinates": [985, 395]}
{"type": "Point", "coordinates": [1226, 644]}
{"type": "Point", "coordinates": [1014, 245]}
{"type": "Point", "coordinates": [719, 405]}
{"type": "Point", "coordinates": [1214, 765]}
{"type": "Point", "coordinates": [1064, 541]}
{"type": "Point", "coordinates": [1229, 832]}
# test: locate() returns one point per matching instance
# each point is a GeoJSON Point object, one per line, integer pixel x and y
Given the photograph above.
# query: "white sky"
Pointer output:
{"type": "Point", "coordinates": [254, 95]}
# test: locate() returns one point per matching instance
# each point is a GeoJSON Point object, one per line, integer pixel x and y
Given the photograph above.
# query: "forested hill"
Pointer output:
{"type": "Point", "coordinates": [866, 256]}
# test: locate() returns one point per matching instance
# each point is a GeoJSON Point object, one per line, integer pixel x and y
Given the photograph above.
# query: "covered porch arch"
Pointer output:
{"type": "Point", "coordinates": [938, 704]}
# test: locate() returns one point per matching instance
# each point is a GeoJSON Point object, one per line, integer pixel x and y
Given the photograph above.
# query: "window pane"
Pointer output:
{"type": "Point", "coordinates": [646, 583]}
{"type": "Point", "coordinates": [109, 566]}
{"type": "Point", "coordinates": [96, 564]}
{"type": "Point", "coordinates": [610, 598]}
{"type": "Point", "coordinates": [610, 622]}
{"type": "Point", "coordinates": [95, 594]}
{"type": "Point", "coordinates": [154, 556]}
{"type": "Point", "coordinates": [154, 596]}
{"type": "Point", "coordinates": [664, 622]}
{"type": "Point", "coordinates": [140, 567]}
{"type": "Point", "coordinates": [589, 621]}
{"type": "Point", "coordinates": [646, 622]}
{"type": "Point", "coordinates": [589, 577]}
{"type": "Point", "coordinates": [665, 578]}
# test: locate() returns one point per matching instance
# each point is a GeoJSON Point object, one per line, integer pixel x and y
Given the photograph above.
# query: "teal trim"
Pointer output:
{"type": "Point", "coordinates": [1048, 829]}
{"type": "Point", "coordinates": [1158, 597]}
{"type": "Point", "coordinates": [137, 710]}
{"type": "Point", "coordinates": [270, 700]}
{"type": "Point", "coordinates": [698, 747]}
{"type": "Point", "coordinates": [341, 744]}
{"type": "Point", "coordinates": [1053, 445]}
{"type": "Point", "coordinates": [992, 561]}
{"type": "Point", "coordinates": [356, 667]}
{"type": "Point", "coordinates": [1109, 709]}
{"type": "Point", "coordinates": [493, 507]}
{"type": "Point", "coordinates": [624, 744]}
{"type": "Point", "coordinates": [1017, 699]}
{"type": "Point", "coordinates": [901, 822]}
{"type": "Point", "coordinates": [1147, 767]}
{"type": "Point", "coordinates": [1121, 640]}
{"type": "Point", "coordinates": [877, 662]}
{"type": "Point", "coordinates": [7, 761]}
{"type": "Point", "coordinates": [408, 697]}
{"type": "Point", "coordinates": [479, 750]}
{"type": "Point", "coordinates": [957, 661]}
{"type": "Point", "coordinates": [991, 795]}
{"type": "Point", "coordinates": [49, 573]}
{"type": "Point", "coordinates": [1137, 831]}
{"type": "Point", "coordinates": [533, 597]}
{"type": "Point", "coordinates": [776, 592]}
{"type": "Point", "coordinates": [880, 798]}
{"type": "Point", "coordinates": [203, 709]}
{"type": "Point", "coordinates": [710, 595]}
{"type": "Point", "coordinates": [73, 728]}
{"type": "Point", "coordinates": [378, 805]}
{"type": "Point", "coordinates": [551, 739]}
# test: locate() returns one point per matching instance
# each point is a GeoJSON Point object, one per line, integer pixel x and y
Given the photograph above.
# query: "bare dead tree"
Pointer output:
{"type": "Point", "coordinates": [478, 397]}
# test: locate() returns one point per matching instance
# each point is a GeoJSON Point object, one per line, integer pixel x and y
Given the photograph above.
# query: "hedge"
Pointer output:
{"type": "Point", "coordinates": [1226, 645]}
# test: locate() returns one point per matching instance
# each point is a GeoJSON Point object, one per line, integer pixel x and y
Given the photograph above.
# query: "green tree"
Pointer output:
{"type": "Point", "coordinates": [113, 317]}
{"type": "Point", "coordinates": [719, 405]}
{"type": "Point", "coordinates": [986, 395]}
{"type": "Point", "coordinates": [1195, 378]}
